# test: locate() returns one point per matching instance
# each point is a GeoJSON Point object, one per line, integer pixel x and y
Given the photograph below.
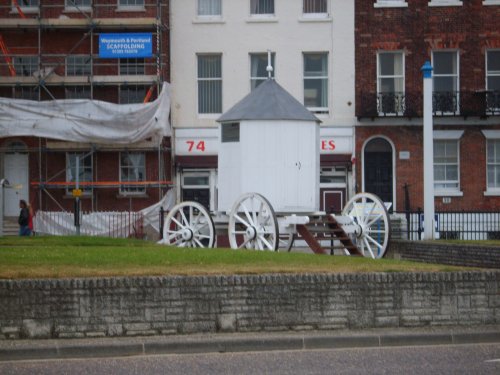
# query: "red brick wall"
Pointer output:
{"type": "Point", "coordinates": [62, 41]}
{"type": "Point", "coordinates": [417, 30]}
{"type": "Point", "coordinates": [410, 138]}
{"type": "Point", "coordinates": [105, 168]}
{"type": "Point", "coordinates": [101, 9]}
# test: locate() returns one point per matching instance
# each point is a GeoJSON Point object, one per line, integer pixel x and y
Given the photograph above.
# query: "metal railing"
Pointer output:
{"type": "Point", "coordinates": [106, 224]}
{"type": "Point", "coordinates": [450, 103]}
{"type": "Point", "coordinates": [460, 225]}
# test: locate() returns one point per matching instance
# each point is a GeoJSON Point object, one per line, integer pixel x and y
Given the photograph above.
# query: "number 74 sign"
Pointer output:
{"type": "Point", "coordinates": [196, 146]}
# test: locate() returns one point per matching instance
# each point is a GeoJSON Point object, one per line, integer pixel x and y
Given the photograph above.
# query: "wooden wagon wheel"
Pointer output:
{"type": "Point", "coordinates": [253, 224]}
{"type": "Point", "coordinates": [370, 215]}
{"type": "Point", "coordinates": [189, 224]}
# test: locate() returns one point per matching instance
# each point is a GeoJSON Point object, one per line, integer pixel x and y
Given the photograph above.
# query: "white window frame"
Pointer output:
{"type": "Point", "coordinates": [445, 3]}
{"type": "Point", "coordinates": [132, 190]}
{"type": "Point", "coordinates": [131, 7]}
{"type": "Point", "coordinates": [77, 89]}
{"type": "Point", "coordinates": [257, 15]}
{"type": "Point", "coordinates": [26, 8]}
{"type": "Point", "coordinates": [456, 76]}
{"type": "Point", "coordinates": [33, 64]}
{"type": "Point", "coordinates": [208, 16]}
{"type": "Point", "coordinates": [132, 66]}
{"type": "Point", "coordinates": [212, 183]}
{"type": "Point", "coordinates": [492, 73]}
{"type": "Point", "coordinates": [69, 6]}
{"type": "Point", "coordinates": [69, 170]}
{"type": "Point", "coordinates": [390, 4]}
{"type": "Point", "coordinates": [448, 136]}
{"type": "Point", "coordinates": [71, 63]}
{"type": "Point", "coordinates": [315, 14]}
{"type": "Point", "coordinates": [139, 92]}
{"type": "Point", "coordinates": [491, 135]}
{"type": "Point", "coordinates": [320, 109]}
{"type": "Point", "coordinates": [491, 2]}
{"type": "Point", "coordinates": [394, 77]}
{"type": "Point", "coordinates": [201, 80]}
{"type": "Point", "coordinates": [256, 80]}
{"type": "Point", "coordinates": [26, 92]}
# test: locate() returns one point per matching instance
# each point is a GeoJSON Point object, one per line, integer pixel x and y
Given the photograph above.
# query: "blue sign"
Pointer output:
{"type": "Point", "coordinates": [130, 45]}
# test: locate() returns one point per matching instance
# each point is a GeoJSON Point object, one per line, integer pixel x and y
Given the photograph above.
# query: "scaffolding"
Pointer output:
{"type": "Point", "coordinates": [50, 33]}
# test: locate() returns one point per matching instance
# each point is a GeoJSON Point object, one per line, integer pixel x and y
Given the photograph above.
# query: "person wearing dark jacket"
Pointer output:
{"type": "Point", "coordinates": [23, 220]}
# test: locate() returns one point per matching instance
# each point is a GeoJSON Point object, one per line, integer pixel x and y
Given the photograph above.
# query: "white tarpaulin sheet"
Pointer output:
{"type": "Point", "coordinates": [84, 120]}
{"type": "Point", "coordinates": [105, 224]}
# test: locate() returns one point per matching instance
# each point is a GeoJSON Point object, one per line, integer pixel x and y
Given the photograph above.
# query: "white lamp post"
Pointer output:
{"type": "Point", "coordinates": [428, 154]}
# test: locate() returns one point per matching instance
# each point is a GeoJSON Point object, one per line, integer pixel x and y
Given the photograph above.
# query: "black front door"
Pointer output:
{"type": "Point", "coordinates": [378, 174]}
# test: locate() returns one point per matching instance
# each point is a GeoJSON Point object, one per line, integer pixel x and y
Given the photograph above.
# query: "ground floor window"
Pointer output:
{"type": "Point", "coordinates": [493, 163]}
{"type": "Point", "coordinates": [446, 165]}
{"type": "Point", "coordinates": [132, 94]}
{"type": "Point", "coordinates": [132, 169]}
{"type": "Point", "coordinates": [78, 168]}
{"type": "Point", "coordinates": [198, 185]}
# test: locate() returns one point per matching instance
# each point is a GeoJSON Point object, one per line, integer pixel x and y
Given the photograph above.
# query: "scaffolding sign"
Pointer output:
{"type": "Point", "coordinates": [125, 45]}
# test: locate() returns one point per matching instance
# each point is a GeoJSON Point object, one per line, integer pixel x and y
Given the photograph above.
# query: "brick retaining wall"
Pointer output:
{"type": "Point", "coordinates": [445, 253]}
{"type": "Point", "coordinates": [170, 305]}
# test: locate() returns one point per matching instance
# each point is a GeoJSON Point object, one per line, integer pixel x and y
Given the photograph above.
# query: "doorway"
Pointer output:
{"type": "Point", "coordinates": [16, 171]}
{"type": "Point", "coordinates": [378, 169]}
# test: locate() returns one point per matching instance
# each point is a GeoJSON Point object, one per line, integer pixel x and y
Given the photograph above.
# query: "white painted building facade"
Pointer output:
{"type": "Point", "coordinates": [219, 52]}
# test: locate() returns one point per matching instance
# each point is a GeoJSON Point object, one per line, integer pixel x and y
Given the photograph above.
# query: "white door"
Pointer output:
{"type": "Point", "coordinates": [16, 172]}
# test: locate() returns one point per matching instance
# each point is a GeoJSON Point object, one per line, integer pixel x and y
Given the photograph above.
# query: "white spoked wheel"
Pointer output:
{"type": "Point", "coordinates": [189, 224]}
{"type": "Point", "coordinates": [253, 224]}
{"type": "Point", "coordinates": [370, 216]}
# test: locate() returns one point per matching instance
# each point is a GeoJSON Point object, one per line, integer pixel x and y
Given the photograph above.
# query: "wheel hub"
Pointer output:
{"type": "Point", "coordinates": [187, 234]}
{"type": "Point", "coordinates": [251, 232]}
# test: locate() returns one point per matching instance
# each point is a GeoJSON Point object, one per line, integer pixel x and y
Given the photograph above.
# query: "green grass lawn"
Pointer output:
{"type": "Point", "coordinates": [61, 257]}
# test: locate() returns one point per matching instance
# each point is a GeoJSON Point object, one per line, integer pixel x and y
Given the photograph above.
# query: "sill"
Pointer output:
{"type": "Point", "coordinates": [131, 195]}
{"type": "Point", "coordinates": [208, 20]}
{"type": "Point", "coordinates": [139, 8]}
{"type": "Point", "coordinates": [446, 3]}
{"type": "Point", "coordinates": [491, 2]}
{"type": "Point", "coordinates": [77, 10]}
{"type": "Point", "coordinates": [26, 10]}
{"type": "Point", "coordinates": [261, 18]}
{"type": "Point", "coordinates": [319, 111]}
{"type": "Point", "coordinates": [209, 116]}
{"type": "Point", "coordinates": [316, 17]}
{"type": "Point", "coordinates": [492, 193]}
{"type": "Point", "coordinates": [448, 193]}
{"type": "Point", "coordinates": [390, 114]}
{"type": "Point", "coordinates": [402, 4]}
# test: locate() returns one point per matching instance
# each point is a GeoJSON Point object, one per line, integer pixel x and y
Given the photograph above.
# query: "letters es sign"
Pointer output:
{"type": "Point", "coordinates": [125, 45]}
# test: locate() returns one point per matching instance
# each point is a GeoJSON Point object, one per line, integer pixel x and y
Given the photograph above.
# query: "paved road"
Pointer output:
{"type": "Point", "coordinates": [443, 359]}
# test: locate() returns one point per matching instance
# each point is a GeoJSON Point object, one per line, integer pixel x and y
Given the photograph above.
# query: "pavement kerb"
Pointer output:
{"type": "Point", "coordinates": [220, 343]}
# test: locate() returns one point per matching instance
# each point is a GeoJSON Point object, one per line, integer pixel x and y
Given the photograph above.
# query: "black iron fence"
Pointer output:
{"type": "Point", "coordinates": [460, 225]}
{"type": "Point", "coordinates": [447, 103]}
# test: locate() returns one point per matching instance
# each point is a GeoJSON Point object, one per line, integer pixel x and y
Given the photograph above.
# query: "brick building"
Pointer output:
{"type": "Point", "coordinates": [462, 41]}
{"type": "Point", "coordinates": [51, 50]}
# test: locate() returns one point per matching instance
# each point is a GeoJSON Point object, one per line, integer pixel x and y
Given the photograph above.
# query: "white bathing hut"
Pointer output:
{"type": "Point", "coordinates": [269, 144]}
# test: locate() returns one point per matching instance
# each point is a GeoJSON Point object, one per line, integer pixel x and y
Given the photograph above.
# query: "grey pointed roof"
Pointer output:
{"type": "Point", "coordinates": [269, 101]}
